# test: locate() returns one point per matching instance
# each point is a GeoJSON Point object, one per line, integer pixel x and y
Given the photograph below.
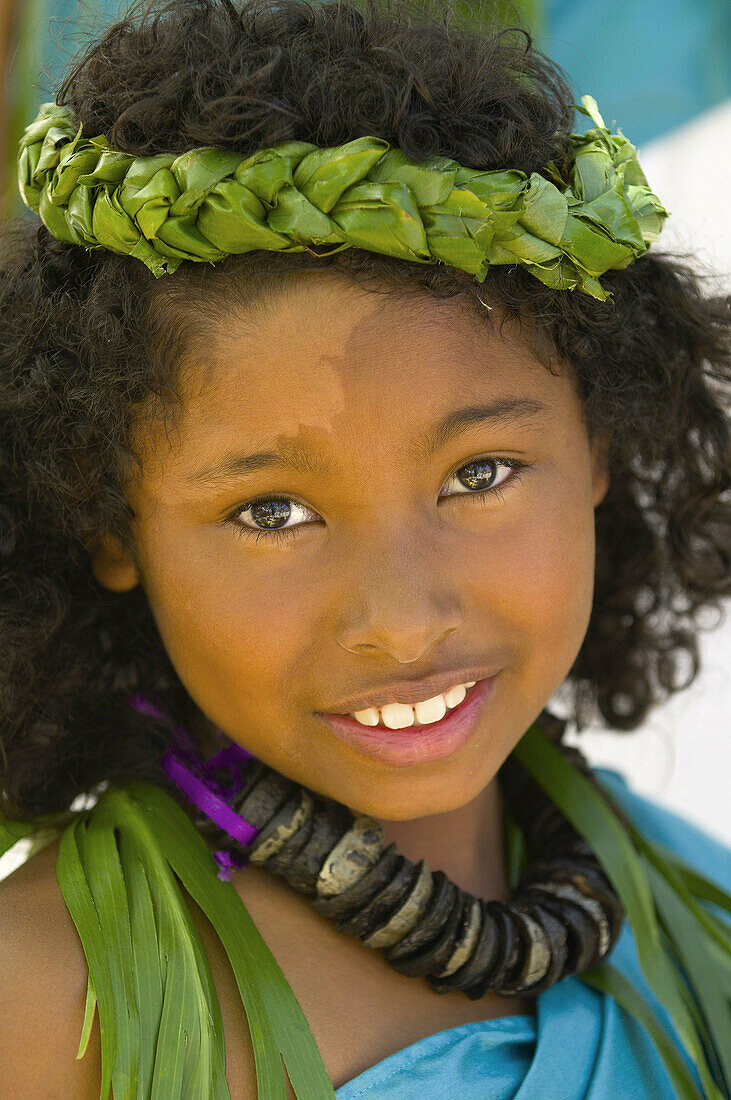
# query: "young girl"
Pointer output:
{"type": "Point", "coordinates": [359, 515]}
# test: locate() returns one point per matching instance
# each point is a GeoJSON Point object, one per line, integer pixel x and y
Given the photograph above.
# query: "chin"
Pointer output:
{"type": "Point", "coordinates": [424, 799]}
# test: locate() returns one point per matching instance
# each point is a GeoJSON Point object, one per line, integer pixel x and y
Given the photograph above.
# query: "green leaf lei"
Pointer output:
{"type": "Point", "coordinates": [119, 868]}
{"type": "Point", "coordinates": [593, 213]}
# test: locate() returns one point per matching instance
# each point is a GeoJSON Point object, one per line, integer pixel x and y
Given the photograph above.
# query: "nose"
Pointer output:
{"type": "Point", "coordinates": [401, 600]}
{"type": "Point", "coordinates": [407, 642]}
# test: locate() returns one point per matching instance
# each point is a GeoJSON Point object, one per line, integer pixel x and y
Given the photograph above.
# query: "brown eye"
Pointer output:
{"type": "Point", "coordinates": [269, 516]}
{"type": "Point", "coordinates": [480, 476]}
{"type": "Point", "coordinates": [270, 513]}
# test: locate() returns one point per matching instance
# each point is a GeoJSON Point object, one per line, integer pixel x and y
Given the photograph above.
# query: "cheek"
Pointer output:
{"type": "Point", "coordinates": [537, 575]}
{"type": "Point", "coordinates": [229, 622]}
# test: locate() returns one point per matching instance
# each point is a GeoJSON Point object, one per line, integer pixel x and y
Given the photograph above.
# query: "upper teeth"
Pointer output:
{"type": "Point", "coordinates": [398, 716]}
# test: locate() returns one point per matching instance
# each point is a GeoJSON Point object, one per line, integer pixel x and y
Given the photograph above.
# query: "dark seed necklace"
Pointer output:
{"type": "Point", "coordinates": [564, 915]}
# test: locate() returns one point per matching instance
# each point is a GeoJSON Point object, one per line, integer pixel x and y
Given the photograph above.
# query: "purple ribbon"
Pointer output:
{"type": "Point", "coordinates": [196, 779]}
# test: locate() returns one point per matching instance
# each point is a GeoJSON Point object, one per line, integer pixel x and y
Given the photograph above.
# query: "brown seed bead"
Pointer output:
{"type": "Point", "coordinates": [432, 922]}
{"type": "Point", "coordinates": [582, 930]}
{"type": "Point", "coordinates": [432, 958]}
{"type": "Point", "coordinates": [345, 904]}
{"type": "Point", "coordinates": [266, 796]}
{"type": "Point", "coordinates": [403, 919]}
{"type": "Point", "coordinates": [285, 823]}
{"type": "Point", "coordinates": [381, 905]}
{"type": "Point", "coordinates": [281, 863]}
{"type": "Point", "coordinates": [358, 849]}
{"type": "Point", "coordinates": [466, 936]}
{"type": "Point", "coordinates": [554, 837]}
{"type": "Point", "coordinates": [534, 952]}
{"type": "Point", "coordinates": [602, 889]}
{"type": "Point", "coordinates": [578, 849]}
{"type": "Point", "coordinates": [253, 771]}
{"type": "Point", "coordinates": [480, 962]}
{"type": "Point", "coordinates": [558, 941]}
{"type": "Point", "coordinates": [587, 877]}
{"type": "Point", "coordinates": [329, 822]}
{"type": "Point", "coordinates": [507, 956]}
{"type": "Point", "coordinates": [567, 891]}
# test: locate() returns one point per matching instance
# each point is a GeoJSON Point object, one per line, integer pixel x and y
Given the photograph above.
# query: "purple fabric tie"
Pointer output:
{"type": "Point", "coordinates": [195, 778]}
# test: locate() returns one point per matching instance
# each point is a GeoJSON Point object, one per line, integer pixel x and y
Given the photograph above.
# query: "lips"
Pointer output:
{"type": "Point", "coordinates": [416, 744]}
{"type": "Point", "coordinates": [413, 691]}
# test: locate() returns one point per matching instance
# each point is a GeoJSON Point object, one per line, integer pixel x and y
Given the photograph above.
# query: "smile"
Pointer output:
{"type": "Point", "coordinates": [415, 743]}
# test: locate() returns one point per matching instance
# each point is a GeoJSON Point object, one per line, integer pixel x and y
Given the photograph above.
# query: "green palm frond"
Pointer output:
{"type": "Point", "coordinates": [160, 1021]}
{"type": "Point", "coordinates": [677, 944]}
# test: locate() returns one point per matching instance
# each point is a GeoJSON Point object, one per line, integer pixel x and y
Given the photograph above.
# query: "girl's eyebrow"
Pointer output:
{"type": "Point", "coordinates": [291, 456]}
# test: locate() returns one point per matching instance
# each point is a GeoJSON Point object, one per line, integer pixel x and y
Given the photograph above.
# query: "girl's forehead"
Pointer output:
{"type": "Point", "coordinates": [333, 371]}
{"type": "Point", "coordinates": [332, 347]}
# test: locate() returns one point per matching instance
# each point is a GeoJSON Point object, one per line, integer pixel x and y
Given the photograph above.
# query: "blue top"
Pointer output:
{"type": "Point", "coordinates": [580, 1044]}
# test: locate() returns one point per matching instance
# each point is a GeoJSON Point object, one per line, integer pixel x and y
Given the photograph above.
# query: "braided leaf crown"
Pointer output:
{"type": "Point", "coordinates": [594, 212]}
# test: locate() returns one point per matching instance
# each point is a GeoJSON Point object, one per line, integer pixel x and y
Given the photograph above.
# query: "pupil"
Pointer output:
{"type": "Point", "coordinates": [473, 476]}
{"type": "Point", "coordinates": [271, 513]}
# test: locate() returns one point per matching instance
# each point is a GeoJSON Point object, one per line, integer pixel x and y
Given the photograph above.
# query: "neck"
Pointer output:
{"type": "Point", "coordinates": [466, 844]}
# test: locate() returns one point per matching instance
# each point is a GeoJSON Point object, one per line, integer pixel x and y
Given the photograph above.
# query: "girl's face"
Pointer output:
{"type": "Point", "coordinates": [390, 563]}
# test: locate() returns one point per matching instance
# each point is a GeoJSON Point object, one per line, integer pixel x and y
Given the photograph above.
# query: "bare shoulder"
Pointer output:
{"type": "Point", "coordinates": [43, 980]}
{"type": "Point", "coordinates": [43, 977]}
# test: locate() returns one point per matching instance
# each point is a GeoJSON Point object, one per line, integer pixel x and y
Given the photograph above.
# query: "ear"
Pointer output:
{"type": "Point", "coordinates": [112, 565]}
{"type": "Point", "coordinates": [600, 466]}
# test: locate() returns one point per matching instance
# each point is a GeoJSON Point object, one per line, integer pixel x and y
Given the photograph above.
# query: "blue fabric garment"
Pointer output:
{"type": "Point", "coordinates": [581, 1045]}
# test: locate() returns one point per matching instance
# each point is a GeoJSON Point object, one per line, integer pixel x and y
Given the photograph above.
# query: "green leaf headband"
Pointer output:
{"type": "Point", "coordinates": [598, 213]}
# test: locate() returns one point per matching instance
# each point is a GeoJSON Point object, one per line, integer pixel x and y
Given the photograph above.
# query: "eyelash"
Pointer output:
{"type": "Point", "coordinates": [280, 534]}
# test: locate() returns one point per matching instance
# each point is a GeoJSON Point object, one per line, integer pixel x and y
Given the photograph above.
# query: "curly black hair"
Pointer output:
{"type": "Point", "coordinates": [91, 341]}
